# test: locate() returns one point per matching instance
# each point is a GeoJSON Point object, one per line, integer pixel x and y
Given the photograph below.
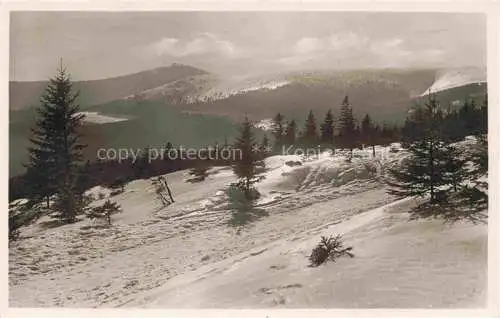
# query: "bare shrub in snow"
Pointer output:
{"type": "Point", "coordinates": [329, 249]}
{"type": "Point", "coordinates": [163, 190]}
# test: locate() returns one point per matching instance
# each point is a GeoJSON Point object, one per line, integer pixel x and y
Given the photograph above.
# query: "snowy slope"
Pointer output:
{"type": "Point", "coordinates": [451, 78]}
{"type": "Point", "coordinates": [397, 264]}
{"type": "Point", "coordinates": [186, 255]}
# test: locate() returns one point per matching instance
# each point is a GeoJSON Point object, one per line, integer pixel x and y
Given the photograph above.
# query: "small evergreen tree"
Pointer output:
{"type": "Point", "coordinates": [424, 172]}
{"type": "Point", "coordinates": [310, 135]}
{"type": "Point", "coordinates": [141, 164]}
{"type": "Point", "coordinates": [413, 128]}
{"type": "Point", "coordinates": [327, 129]}
{"type": "Point", "coordinates": [201, 167]}
{"type": "Point", "coordinates": [264, 147]}
{"type": "Point", "coordinates": [245, 167]}
{"type": "Point", "coordinates": [368, 132]}
{"type": "Point", "coordinates": [291, 133]}
{"type": "Point", "coordinates": [278, 129]}
{"type": "Point", "coordinates": [56, 151]}
{"type": "Point", "coordinates": [346, 125]}
{"type": "Point", "coordinates": [454, 167]}
{"type": "Point", "coordinates": [105, 211]}
{"type": "Point", "coordinates": [483, 122]}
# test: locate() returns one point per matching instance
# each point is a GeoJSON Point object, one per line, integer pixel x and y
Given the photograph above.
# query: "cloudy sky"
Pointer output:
{"type": "Point", "coordinates": [99, 45]}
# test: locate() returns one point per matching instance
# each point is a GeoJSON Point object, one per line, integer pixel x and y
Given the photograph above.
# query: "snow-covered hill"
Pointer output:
{"type": "Point", "coordinates": [187, 254]}
{"type": "Point", "coordinates": [450, 78]}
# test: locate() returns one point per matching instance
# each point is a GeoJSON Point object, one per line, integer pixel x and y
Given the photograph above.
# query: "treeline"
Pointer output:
{"type": "Point", "coordinates": [112, 172]}
{"type": "Point", "coordinates": [346, 132]}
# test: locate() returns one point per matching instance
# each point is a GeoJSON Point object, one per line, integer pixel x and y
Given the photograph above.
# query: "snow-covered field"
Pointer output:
{"type": "Point", "coordinates": [187, 255]}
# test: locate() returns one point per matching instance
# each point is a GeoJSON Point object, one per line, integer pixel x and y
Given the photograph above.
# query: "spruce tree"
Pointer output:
{"type": "Point", "coordinates": [413, 128]}
{"type": "Point", "coordinates": [264, 146]}
{"type": "Point", "coordinates": [247, 158]}
{"type": "Point", "coordinates": [483, 122]}
{"type": "Point", "coordinates": [425, 170]}
{"type": "Point", "coordinates": [454, 167]}
{"type": "Point", "coordinates": [56, 151]}
{"type": "Point", "coordinates": [346, 125]}
{"type": "Point", "coordinates": [327, 129]}
{"type": "Point", "coordinates": [290, 133]}
{"type": "Point", "coordinates": [141, 164]}
{"type": "Point", "coordinates": [201, 166]}
{"type": "Point", "coordinates": [278, 129]}
{"type": "Point", "coordinates": [367, 132]}
{"type": "Point", "coordinates": [310, 135]}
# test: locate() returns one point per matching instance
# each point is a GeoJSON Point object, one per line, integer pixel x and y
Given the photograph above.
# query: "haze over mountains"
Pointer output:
{"type": "Point", "coordinates": [167, 103]}
{"type": "Point", "coordinates": [185, 84]}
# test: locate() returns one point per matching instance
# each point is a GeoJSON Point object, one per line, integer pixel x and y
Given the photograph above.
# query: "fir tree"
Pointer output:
{"type": "Point", "coordinates": [327, 129]}
{"type": "Point", "coordinates": [483, 122]}
{"type": "Point", "coordinates": [368, 132]}
{"type": "Point", "coordinates": [425, 171]}
{"type": "Point", "coordinates": [413, 128]}
{"type": "Point", "coordinates": [264, 146]}
{"type": "Point", "coordinates": [201, 166]}
{"type": "Point", "coordinates": [454, 167]}
{"type": "Point", "coordinates": [247, 158]}
{"type": "Point", "coordinates": [291, 133]}
{"type": "Point", "coordinates": [56, 151]}
{"type": "Point", "coordinates": [346, 125]}
{"type": "Point", "coordinates": [471, 117]}
{"type": "Point", "coordinates": [310, 135]}
{"type": "Point", "coordinates": [141, 164]}
{"type": "Point", "coordinates": [105, 211]}
{"type": "Point", "coordinates": [278, 129]}
{"type": "Point", "coordinates": [199, 171]}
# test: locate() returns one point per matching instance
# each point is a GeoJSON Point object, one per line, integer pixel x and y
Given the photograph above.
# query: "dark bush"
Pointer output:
{"type": "Point", "coordinates": [329, 249]}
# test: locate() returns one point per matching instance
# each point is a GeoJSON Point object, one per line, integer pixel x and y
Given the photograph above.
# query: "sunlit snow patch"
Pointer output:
{"type": "Point", "coordinates": [96, 118]}
{"type": "Point", "coordinates": [456, 78]}
{"type": "Point", "coordinates": [264, 124]}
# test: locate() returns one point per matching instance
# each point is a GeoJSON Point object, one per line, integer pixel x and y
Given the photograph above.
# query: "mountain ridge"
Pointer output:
{"type": "Point", "coordinates": [24, 95]}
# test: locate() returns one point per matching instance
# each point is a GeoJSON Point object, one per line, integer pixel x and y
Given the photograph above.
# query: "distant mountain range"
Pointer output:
{"type": "Point", "coordinates": [183, 84]}
{"type": "Point", "coordinates": [186, 105]}
{"type": "Point", "coordinates": [27, 94]}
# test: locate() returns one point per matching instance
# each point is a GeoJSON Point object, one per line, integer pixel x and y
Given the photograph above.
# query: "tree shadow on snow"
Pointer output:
{"type": "Point", "coordinates": [242, 207]}
{"type": "Point", "coordinates": [244, 216]}
{"type": "Point", "coordinates": [451, 211]}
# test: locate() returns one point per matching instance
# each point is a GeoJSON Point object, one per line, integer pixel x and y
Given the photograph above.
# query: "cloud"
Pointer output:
{"type": "Point", "coordinates": [201, 44]}
{"type": "Point", "coordinates": [335, 42]}
{"type": "Point", "coordinates": [358, 49]}
{"type": "Point", "coordinates": [308, 45]}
